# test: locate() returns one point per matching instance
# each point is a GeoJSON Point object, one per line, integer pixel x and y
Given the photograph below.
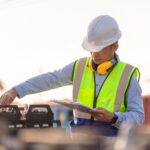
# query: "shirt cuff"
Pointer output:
{"type": "Point", "coordinates": [20, 91]}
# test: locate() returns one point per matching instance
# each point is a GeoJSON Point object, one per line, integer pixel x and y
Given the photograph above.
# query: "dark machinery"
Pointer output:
{"type": "Point", "coordinates": [33, 117]}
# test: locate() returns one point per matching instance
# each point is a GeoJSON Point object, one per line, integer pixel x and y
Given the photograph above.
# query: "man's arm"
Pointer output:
{"type": "Point", "coordinates": [135, 109]}
{"type": "Point", "coordinates": [39, 83]}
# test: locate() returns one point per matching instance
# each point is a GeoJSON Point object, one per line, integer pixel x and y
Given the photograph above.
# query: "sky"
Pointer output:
{"type": "Point", "coordinates": [38, 36]}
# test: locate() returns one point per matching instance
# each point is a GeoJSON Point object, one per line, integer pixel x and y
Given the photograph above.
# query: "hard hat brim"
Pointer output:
{"type": "Point", "coordinates": [90, 47]}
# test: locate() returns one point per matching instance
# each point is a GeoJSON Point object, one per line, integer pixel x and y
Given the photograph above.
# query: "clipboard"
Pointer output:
{"type": "Point", "coordinates": [74, 105]}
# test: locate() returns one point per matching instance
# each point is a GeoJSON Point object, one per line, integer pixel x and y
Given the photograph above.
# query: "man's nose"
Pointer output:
{"type": "Point", "coordinates": [94, 54]}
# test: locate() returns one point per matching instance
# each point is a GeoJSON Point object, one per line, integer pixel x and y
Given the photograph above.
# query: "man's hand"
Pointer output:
{"type": "Point", "coordinates": [102, 114]}
{"type": "Point", "coordinates": [8, 97]}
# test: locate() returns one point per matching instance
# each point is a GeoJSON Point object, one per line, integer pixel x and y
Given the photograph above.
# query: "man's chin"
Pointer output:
{"type": "Point", "coordinates": [97, 62]}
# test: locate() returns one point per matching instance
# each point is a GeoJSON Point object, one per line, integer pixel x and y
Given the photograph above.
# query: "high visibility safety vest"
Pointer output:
{"type": "Point", "coordinates": [112, 92]}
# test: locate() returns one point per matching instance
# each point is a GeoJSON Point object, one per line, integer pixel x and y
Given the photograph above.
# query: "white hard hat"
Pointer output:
{"type": "Point", "coordinates": [102, 32]}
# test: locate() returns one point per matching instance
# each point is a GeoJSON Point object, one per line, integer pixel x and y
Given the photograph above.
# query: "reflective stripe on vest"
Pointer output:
{"type": "Point", "coordinates": [125, 75]}
{"type": "Point", "coordinates": [78, 77]}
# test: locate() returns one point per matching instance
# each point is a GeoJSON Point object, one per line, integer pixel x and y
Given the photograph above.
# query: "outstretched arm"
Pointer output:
{"type": "Point", "coordinates": [40, 83]}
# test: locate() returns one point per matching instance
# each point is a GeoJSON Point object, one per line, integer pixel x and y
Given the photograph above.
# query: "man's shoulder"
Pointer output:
{"type": "Point", "coordinates": [125, 63]}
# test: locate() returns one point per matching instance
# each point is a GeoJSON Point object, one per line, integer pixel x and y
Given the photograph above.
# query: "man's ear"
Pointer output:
{"type": "Point", "coordinates": [115, 46]}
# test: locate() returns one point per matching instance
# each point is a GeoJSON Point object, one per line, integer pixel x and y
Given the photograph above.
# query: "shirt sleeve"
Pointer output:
{"type": "Point", "coordinates": [46, 81]}
{"type": "Point", "coordinates": [134, 102]}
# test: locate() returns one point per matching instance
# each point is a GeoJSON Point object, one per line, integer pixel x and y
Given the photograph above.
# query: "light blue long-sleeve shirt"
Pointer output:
{"type": "Point", "coordinates": [63, 77]}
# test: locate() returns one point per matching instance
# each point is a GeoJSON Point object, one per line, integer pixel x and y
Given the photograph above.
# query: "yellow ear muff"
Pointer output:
{"type": "Point", "coordinates": [103, 68]}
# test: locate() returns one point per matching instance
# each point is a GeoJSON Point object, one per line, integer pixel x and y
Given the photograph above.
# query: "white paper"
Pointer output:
{"type": "Point", "coordinates": [74, 105]}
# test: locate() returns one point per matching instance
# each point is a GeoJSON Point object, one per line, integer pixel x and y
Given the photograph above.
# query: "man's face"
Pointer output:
{"type": "Point", "coordinates": [105, 54]}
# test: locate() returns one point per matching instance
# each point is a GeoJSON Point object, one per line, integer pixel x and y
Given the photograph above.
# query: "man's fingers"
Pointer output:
{"type": "Point", "coordinates": [5, 99]}
{"type": "Point", "coordinates": [8, 97]}
{"type": "Point", "coordinates": [97, 110]}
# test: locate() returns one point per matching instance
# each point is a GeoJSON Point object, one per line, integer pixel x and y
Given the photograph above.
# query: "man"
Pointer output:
{"type": "Point", "coordinates": [101, 82]}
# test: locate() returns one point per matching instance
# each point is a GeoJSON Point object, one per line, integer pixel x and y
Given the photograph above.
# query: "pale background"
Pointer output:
{"type": "Point", "coordinates": [37, 36]}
